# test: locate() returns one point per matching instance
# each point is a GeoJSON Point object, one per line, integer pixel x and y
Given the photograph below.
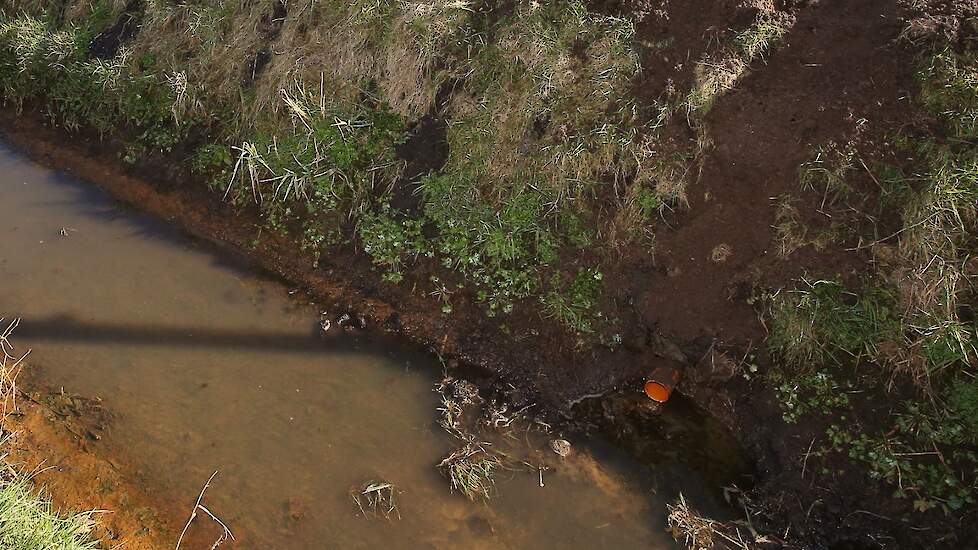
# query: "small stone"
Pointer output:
{"type": "Point", "coordinates": [561, 446]}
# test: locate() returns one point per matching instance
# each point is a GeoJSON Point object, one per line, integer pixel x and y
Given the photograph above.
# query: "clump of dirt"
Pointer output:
{"type": "Point", "coordinates": [425, 152]}
{"type": "Point", "coordinates": [269, 28]}
{"type": "Point", "coordinates": [106, 45]}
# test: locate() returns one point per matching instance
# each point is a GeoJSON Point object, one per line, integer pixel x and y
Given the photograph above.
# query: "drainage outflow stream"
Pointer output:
{"type": "Point", "coordinates": [205, 366]}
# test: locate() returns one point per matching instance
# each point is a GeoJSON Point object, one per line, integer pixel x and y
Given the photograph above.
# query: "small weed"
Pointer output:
{"type": "Point", "coordinates": [500, 249]}
{"type": "Point", "coordinates": [316, 238]}
{"type": "Point", "coordinates": [212, 158]}
{"type": "Point", "coordinates": [573, 306]}
{"type": "Point", "coordinates": [828, 172]}
{"type": "Point", "coordinates": [963, 403]}
{"type": "Point", "coordinates": [574, 230]}
{"type": "Point", "coordinates": [443, 293]}
{"type": "Point", "coordinates": [389, 239]}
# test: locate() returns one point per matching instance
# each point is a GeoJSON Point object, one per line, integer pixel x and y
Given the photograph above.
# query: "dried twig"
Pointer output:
{"type": "Point", "coordinates": [9, 368]}
{"type": "Point", "coordinates": [193, 515]}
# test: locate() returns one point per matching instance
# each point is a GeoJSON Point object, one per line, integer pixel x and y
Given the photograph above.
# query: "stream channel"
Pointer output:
{"type": "Point", "coordinates": [206, 365]}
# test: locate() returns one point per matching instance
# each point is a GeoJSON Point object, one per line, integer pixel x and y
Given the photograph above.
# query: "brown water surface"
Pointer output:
{"type": "Point", "coordinates": [205, 366]}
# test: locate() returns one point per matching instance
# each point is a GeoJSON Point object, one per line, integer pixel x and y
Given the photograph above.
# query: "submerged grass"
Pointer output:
{"type": "Point", "coordinates": [376, 499]}
{"type": "Point", "coordinates": [472, 466]}
{"type": "Point", "coordinates": [471, 469]}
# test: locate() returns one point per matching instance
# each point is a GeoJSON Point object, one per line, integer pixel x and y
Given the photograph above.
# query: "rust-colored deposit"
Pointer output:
{"type": "Point", "coordinates": [57, 435]}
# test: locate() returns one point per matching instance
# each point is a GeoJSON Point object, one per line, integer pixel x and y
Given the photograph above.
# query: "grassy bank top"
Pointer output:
{"type": "Point", "coordinates": [503, 143]}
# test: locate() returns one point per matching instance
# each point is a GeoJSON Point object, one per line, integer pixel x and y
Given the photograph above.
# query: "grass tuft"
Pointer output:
{"type": "Point", "coordinates": [949, 90]}
{"type": "Point", "coordinates": [720, 73]}
{"type": "Point", "coordinates": [828, 172]}
{"type": "Point", "coordinates": [471, 469]}
{"type": "Point", "coordinates": [28, 521]}
{"type": "Point", "coordinates": [821, 322]}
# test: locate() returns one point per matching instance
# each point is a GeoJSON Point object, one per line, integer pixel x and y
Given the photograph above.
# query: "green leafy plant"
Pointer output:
{"type": "Point", "coordinates": [922, 456]}
{"type": "Point", "coordinates": [816, 392]}
{"type": "Point", "coordinates": [389, 239]}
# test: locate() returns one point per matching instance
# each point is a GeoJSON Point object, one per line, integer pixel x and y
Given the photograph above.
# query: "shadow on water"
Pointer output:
{"type": "Point", "coordinates": [64, 328]}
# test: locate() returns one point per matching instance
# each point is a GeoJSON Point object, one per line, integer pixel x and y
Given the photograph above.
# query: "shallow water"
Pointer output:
{"type": "Point", "coordinates": [205, 366]}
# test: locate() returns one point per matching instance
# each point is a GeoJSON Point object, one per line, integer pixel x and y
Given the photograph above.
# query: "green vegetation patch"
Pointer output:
{"type": "Point", "coordinates": [328, 158]}
{"type": "Point", "coordinates": [299, 107]}
{"type": "Point", "coordinates": [544, 119]}
{"type": "Point", "coordinates": [52, 66]}
{"type": "Point", "coordinates": [821, 322]}
{"type": "Point", "coordinates": [574, 305]}
{"type": "Point", "coordinates": [926, 455]}
{"type": "Point", "coordinates": [814, 392]}
{"type": "Point", "coordinates": [547, 103]}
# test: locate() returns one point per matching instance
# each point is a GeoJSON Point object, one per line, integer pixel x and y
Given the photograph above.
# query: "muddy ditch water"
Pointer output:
{"type": "Point", "coordinates": [203, 365]}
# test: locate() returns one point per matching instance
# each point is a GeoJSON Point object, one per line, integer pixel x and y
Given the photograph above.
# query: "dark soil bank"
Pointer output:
{"type": "Point", "coordinates": [841, 75]}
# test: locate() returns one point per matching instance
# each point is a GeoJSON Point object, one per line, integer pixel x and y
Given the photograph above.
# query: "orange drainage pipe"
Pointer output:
{"type": "Point", "coordinates": [661, 383]}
